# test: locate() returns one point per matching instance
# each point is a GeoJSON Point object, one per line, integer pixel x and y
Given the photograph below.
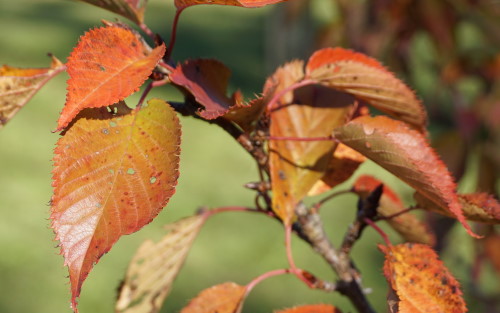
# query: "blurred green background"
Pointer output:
{"type": "Point", "coordinates": [231, 247]}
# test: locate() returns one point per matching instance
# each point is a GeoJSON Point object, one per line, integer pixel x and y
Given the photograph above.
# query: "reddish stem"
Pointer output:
{"type": "Point", "coordinates": [289, 254]}
{"type": "Point", "coordinates": [173, 35]}
{"type": "Point", "coordinates": [379, 230]}
{"type": "Point", "coordinates": [318, 204]}
{"type": "Point", "coordinates": [147, 31]}
{"type": "Point", "coordinates": [145, 94]}
{"type": "Point", "coordinates": [302, 138]}
{"type": "Point", "coordinates": [265, 276]}
{"type": "Point", "coordinates": [272, 104]}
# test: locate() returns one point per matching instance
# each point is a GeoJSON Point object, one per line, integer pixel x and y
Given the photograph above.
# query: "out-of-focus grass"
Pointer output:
{"type": "Point", "coordinates": [231, 247]}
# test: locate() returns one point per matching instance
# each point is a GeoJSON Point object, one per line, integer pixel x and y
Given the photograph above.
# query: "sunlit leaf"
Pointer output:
{"type": "Point", "coordinates": [206, 80]}
{"type": "Point", "coordinates": [240, 3]}
{"type": "Point", "coordinates": [314, 308]}
{"type": "Point", "coordinates": [406, 224]}
{"type": "Point", "coordinates": [478, 207]}
{"type": "Point", "coordinates": [154, 267]}
{"type": "Point", "coordinates": [344, 163]}
{"type": "Point", "coordinates": [19, 85]}
{"type": "Point", "coordinates": [107, 65]}
{"type": "Point", "coordinates": [246, 115]}
{"type": "Point", "coordinates": [112, 175]}
{"type": "Point", "coordinates": [308, 112]}
{"type": "Point", "coordinates": [223, 298]}
{"type": "Point", "coordinates": [131, 9]}
{"type": "Point", "coordinates": [420, 280]}
{"type": "Point", "coordinates": [405, 153]}
{"type": "Point", "coordinates": [368, 80]}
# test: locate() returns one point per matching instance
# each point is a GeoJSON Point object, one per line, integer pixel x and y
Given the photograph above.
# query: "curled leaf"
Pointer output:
{"type": "Point", "coordinates": [344, 163]}
{"type": "Point", "coordinates": [181, 4]}
{"type": "Point", "coordinates": [406, 224]}
{"type": "Point", "coordinates": [420, 281]}
{"type": "Point", "coordinates": [314, 308]}
{"type": "Point", "coordinates": [131, 9]}
{"type": "Point", "coordinates": [206, 81]}
{"type": "Point", "coordinates": [112, 175]}
{"type": "Point", "coordinates": [154, 267]}
{"type": "Point", "coordinates": [107, 65]}
{"type": "Point", "coordinates": [311, 111]}
{"type": "Point", "coordinates": [223, 298]}
{"type": "Point", "coordinates": [19, 85]}
{"type": "Point", "coordinates": [405, 153]}
{"type": "Point", "coordinates": [246, 115]}
{"type": "Point", "coordinates": [368, 80]}
{"type": "Point", "coordinates": [478, 207]}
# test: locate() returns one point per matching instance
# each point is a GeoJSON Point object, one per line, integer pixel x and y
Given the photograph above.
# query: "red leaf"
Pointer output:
{"type": "Point", "coordinates": [246, 115]}
{"type": "Point", "coordinates": [405, 153]}
{"type": "Point", "coordinates": [107, 65]}
{"type": "Point", "coordinates": [223, 298]}
{"type": "Point", "coordinates": [406, 224]}
{"type": "Point", "coordinates": [315, 308]}
{"type": "Point", "coordinates": [206, 80]}
{"type": "Point", "coordinates": [368, 80]}
{"type": "Point", "coordinates": [154, 267]}
{"type": "Point", "coordinates": [112, 175]}
{"type": "Point", "coordinates": [19, 85]}
{"type": "Point", "coordinates": [420, 280]}
{"type": "Point", "coordinates": [307, 112]}
{"type": "Point", "coordinates": [181, 4]}
{"type": "Point", "coordinates": [131, 9]}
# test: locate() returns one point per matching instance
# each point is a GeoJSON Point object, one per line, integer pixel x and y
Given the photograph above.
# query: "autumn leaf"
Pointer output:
{"type": "Point", "coordinates": [181, 4]}
{"type": "Point", "coordinates": [206, 80]}
{"type": "Point", "coordinates": [107, 65]}
{"type": "Point", "coordinates": [223, 298]}
{"type": "Point", "coordinates": [420, 280]}
{"type": "Point", "coordinates": [19, 85]}
{"type": "Point", "coordinates": [131, 9]}
{"type": "Point", "coordinates": [344, 163]}
{"type": "Point", "coordinates": [246, 115]}
{"type": "Point", "coordinates": [308, 112]}
{"type": "Point", "coordinates": [112, 175]}
{"type": "Point", "coordinates": [315, 308]}
{"type": "Point", "coordinates": [405, 153]}
{"type": "Point", "coordinates": [154, 267]}
{"type": "Point", "coordinates": [405, 224]}
{"type": "Point", "coordinates": [478, 207]}
{"type": "Point", "coordinates": [368, 80]}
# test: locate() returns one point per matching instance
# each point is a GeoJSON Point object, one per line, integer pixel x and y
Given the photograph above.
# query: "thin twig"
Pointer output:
{"type": "Point", "coordinates": [310, 228]}
{"type": "Point", "coordinates": [173, 35]}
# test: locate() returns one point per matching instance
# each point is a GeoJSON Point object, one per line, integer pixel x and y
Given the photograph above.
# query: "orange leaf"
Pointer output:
{"type": "Point", "coordinates": [154, 267]}
{"type": "Point", "coordinates": [107, 65]}
{"type": "Point", "coordinates": [307, 112]}
{"type": "Point", "coordinates": [368, 80]}
{"type": "Point", "coordinates": [315, 308]}
{"type": "Point", "coordinates": [131, 9]}
{"type": "Point", "coordinates": [19, 85]}
{"type": "Point", "coordinates": [181, 4]}
{"type": "Point", "coordinates": [344, 163]}
{"type": "Point", "coordinates": [112, 175]}
{"type": "Point", "coordinates": [405, 153]}
{"type": "Point", "coordinates": [421, 281]}
{"type": "Point", "coordinates": [246, 116]}
{"type": "Point", "coordinates": [223, 298]}
{"type": "Point", "coordinates": [478, 207]}
{"type": "Point", "coordinates": [206, 80]}
{"type": "Point", "coordinates": [406, 224]}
